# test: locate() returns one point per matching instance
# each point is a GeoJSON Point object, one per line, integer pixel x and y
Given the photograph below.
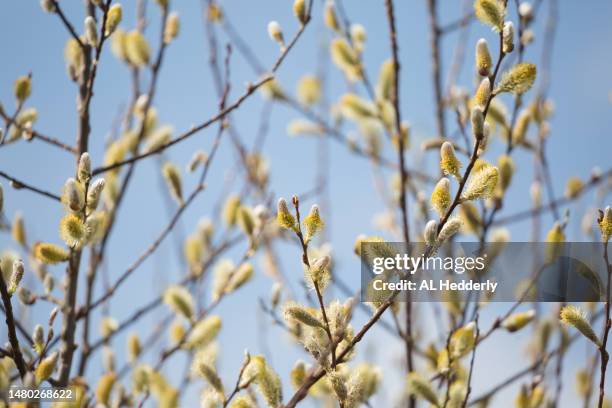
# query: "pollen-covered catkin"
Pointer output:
{"type": "Point", "coordinates": [517, 321]}
{"type": "Point", "coordinates": [483, 58]}
{"type": "Point", "coordinates": [180, 301]}
{"type": "Point", "coordinates": [482, 184]}
{"type": "Point", "coordinates": [50, 253]}
{"type": "Point", "coordinates": [440, 197]}
{"type": "Point", "coordinates": [490, 12]}
{"type": "Point", "coordinates": [74, 231]}
{"type": "Point", "coordinates": [313, 222]}
{"type": "Point", "coordinates": [449, 163]}
{"type": "Point", "coordinates": [420, 387]}
{"type": "Point", "coordinates": [462, 340]}
{"type": "Point", "coordinates": [518, 79]}
{"type": "Point", "coordinates": [605, 223]}
{"type": "Point", "coordinates": [284, 218]}
{"type": "Point", "coordinates": [574, 316]}
{"type": "Point", "coordinates": [298, 313]}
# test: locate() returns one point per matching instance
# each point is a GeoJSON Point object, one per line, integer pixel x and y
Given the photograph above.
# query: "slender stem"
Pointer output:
{"type": "Point", "coordinates": [18, 184]}
{"type": "Point", "coordinates": [16, 354]}
{"type": "Point", "coordinates": [607, 325]}
{"type": "Point", "coordinates": [434, 30]}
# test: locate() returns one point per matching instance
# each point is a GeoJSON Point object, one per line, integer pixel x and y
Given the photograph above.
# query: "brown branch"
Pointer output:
{"type": "Point", "coordinates": [251, 88]}
{"type": "Point", "coordinates": [604, 356]}
{"type": "Point", "coordinates": [559, 202]}
{"type": "Point", "coordinates": [68, 24]}
{"type": "Point", "coordinates": [474, 157]}
{"type": "Point", "coordinates": [306, 262]}
{"type": "Point", "coordinates": [471, 371]}
{"type": "Point", "coordinates": [16, 354]}
{"type": "Point", "coordinates": [434, 30]}
{"type": "Point", "coordinates": [457, 24]}
{"type": "Point", "coordinates": [18, 184]}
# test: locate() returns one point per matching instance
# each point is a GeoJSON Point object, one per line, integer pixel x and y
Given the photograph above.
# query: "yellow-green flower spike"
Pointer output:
{"type": "Point", "coordinates": [490, 12]}
{"type": "Point", "coordinates": [574, 316]}
{"type": "Point", "coordinates": [50, 253]}
{"type": "Point", "coordinates": [482, 184]}
{"type": "Point", "coordinates": [440, 197]}
{"type": "Point", "coordinates": [284, 218]}
{"type": "Point", "coordinates": [449, 163]}
{"type": "Point", "coordinates": [518, 80]}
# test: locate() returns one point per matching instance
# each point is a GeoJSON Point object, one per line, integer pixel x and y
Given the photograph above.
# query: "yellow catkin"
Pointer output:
{"type": "Point", "coordinates": [356, 108]}
{"type": "Point", "coordinates": [517, 321]}
{"type": "Point", "coordinates": [204, 332]}
{"type": "Point", "coordinates": [421, 388]}
{"type": "Point", "coordinates": [22, 88]}
{"type": "Point", "coordinates": [482, 184]}
{"type": "Point", "coordinates": [113, 18]}
{"type": "Point", "coordinates": [490, 12]}
{"type": "Point", "coordinates": [483, 93]}
{"type": "Point", "coordinates": [105, 387]}
{"type": "Point", "coordinates": [449, 163]}
{"type": "Point", "coordinates": [386, 81]}
{"type": "Point", "coordinates": [483, 57]}
{"type": "Point", "coordinates": [230, 210]}
{"type": "Point", "coordinates": [605, 223]}
{"type": "Point", "coordinates": [172, 175]}
{"type": "Point", "coordinates": [45, 367]}
{"type": "Point", "coordinates": [134, 347]}
{"type": "Point", "coordinates": [300, 314]}
{"type": "Point", "coordinates": [137, 48]}
{"type": "Point", "coordinates": [309, 90]}
{"type": "Point", "coordinates": [50, 253]}
{"type": "Point", "coordinates": [345, 58]}
{"type": "Point", "coordinates": [506, 168]}
{"type": "Point", "coordinates": [329, 16]}
{"type": "Point", "coordinates": [576, 317]}
{"type": "Point", "coordinates": [18, 230]}
{"type": "Point", "coordinates": [173, 26]}
{"type": "Point", "coordinates": [518, 79]}
{"type": "Point", "coordinates": [73, 231]}
{"type": "Point", "coordinates": [462, 340]}
{"type": "Point", "coordinates": [299, 10]}
{"type": "Point", "coordinates": [313, 222]}
{"type": "Point", "coordinates": [440, 197]}
{"type": "Point", "coordinates": [179, 300]}
{"type": "Point", "coordinates": [284, 218]}
{"type": "Point", "coordinates": [574, 187]}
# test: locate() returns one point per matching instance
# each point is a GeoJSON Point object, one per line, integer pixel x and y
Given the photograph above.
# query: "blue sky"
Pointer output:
{"type": "Point", "coordinates": [34, 41]}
